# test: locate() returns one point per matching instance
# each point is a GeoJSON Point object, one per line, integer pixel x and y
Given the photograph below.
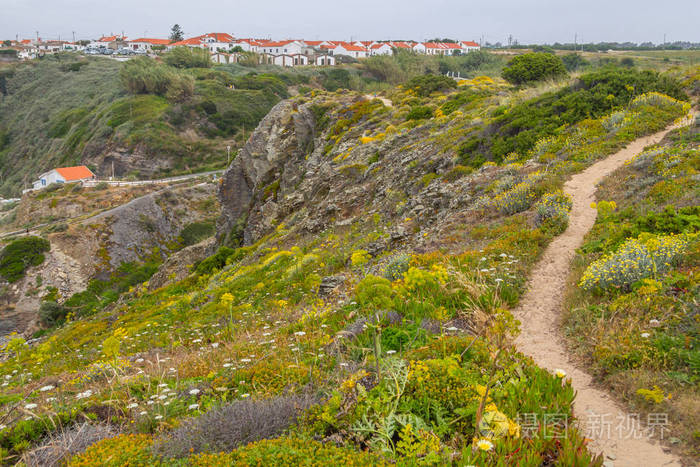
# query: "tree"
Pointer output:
{"type": "Point", "coordinates": [531, 67]}
{"type": "Point", "coordinates": [7, 43]}
{"type": "Point", "coordinates": [176, 33]}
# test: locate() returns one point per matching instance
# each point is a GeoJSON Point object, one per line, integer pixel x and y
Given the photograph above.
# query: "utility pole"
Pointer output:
{"type": "Point", "coordinates": [37, 36]}
{"type": "Point", "coordinates": [664, 41]}
{"type": "Point", "coordinates": [73, 36]}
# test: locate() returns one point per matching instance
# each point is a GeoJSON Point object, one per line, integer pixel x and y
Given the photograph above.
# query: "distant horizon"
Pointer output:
{"type": "Point", "coordinates": [352, 39]}
{"type": "Point", "coordinates": [528, 22]}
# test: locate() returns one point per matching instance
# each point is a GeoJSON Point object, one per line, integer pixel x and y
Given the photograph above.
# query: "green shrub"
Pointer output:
{"type": "Point", "coordinates": [519, 127]}
{"type": "Point", "coordinates": [20, 255]}
{"type": "Point", "coordinates": [427, 84]}
{"type": "Point", "coordinates": [188, 57]}
{"type": "Point", "coordinates": [419, 112]}
{"type": "Point", "coordinates": [51, 313]}
{"type": "Point", "coordinates": [289, 452]}
{"type": "Point", "coordinates": [196, 232]}
{"type": "Point", "coordinates": [143, 75]}
{"type": "Point", "coordinates": [573, 61]}
{"type": "Point", "coordinates": [533, 67]}
{"type": "Point", "coordinates": [215, 261]}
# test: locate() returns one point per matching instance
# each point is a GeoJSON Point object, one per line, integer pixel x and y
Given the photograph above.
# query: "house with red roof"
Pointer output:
{"type": "Point", "coordinates": [146, 44]}
{"type": "Point", "coordinates": [63, 175]}
{"type": "Point", "coordinates": [288, 47]}
{"type": "Point", "coordinates": [248, 45]}
{"type": "Point", "coordinates": [381, 48]}
{"type": "Point", "coordinates": [213, 41]}
{"type": "Point", "coordinates": [468, 46]}
{"type": "Point", "coordinates": [351, 50]}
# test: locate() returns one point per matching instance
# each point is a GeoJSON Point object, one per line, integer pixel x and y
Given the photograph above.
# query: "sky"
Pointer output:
{"type": "Point", "coordinates": [528, 22]}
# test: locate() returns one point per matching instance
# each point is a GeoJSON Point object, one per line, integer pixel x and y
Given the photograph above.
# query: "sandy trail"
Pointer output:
{"type": "Point", "coordinates": [384, 100]}
{"type": "Point", "coordinates": [601, 419]}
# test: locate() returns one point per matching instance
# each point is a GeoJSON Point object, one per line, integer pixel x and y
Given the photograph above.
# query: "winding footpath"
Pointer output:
{"type": "Point", "coordinates": [601, 419]}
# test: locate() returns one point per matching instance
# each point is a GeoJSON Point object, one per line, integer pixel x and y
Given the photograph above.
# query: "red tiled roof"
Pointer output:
{"type": "Point", "coordinates": [190, 41]}
{"type": "Point", "coordinates": [218, 36]}
{"type": "Point", "coordinates": [277, 43]}
{"type": "Point", "coordinates": [152, 41]}
{"type": "Point", "coordinates": [376, 46]}
{"type": "Point", "coordinates": [313, 43]}
{"type": "Point", "coordinates": [75, 173]}
{"type": "Point", "coordinates": [111, 38]}
{"type": "Point", "coordinates": [433, 45]}
{"type": "Point", "coordinates": [470, 43]}
{"type": "Point", "coordinates": [352, 47]}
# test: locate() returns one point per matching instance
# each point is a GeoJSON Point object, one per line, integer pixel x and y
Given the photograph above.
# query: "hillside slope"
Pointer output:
{"type": "Point", "coordinates": [66, 110]}
{"type": "Point", "coordinates": [357, 309]}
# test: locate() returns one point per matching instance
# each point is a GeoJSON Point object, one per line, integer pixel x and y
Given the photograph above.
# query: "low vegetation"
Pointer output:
{"type": "Point", "coordinates": [634, 308]}
{"type": "Point", "coordinates": [21, 254]}
{"type": "Point", "coordinates": [355, 353]}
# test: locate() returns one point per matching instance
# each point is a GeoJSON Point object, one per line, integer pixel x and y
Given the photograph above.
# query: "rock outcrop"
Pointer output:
{"type": "Point", "coordinates": [286, 173]}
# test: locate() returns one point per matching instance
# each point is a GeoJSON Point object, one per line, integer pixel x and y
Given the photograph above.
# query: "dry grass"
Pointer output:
{"type": "Point", "coordinates": [65, 444]}
{"type": "Point", "coordinates": [232, 425]}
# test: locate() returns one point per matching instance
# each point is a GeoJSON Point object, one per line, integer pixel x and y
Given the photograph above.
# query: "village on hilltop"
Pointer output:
{"type": "Point", "coordinates": [225, 48]}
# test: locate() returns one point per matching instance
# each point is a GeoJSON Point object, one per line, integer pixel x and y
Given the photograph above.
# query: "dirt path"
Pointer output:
{"type": "Point", "coordinates": [603, 420]}
{"type": "Point", "coordinates": [384, 100]}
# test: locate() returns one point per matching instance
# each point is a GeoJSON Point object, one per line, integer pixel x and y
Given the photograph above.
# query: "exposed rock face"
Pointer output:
{"type": "Point", "coordinates": [21, 300]}
{"type": "Point", "coordinates": [285, 173]}
{"type": "Point", "coordinates": [98, 245]}
{"type": "Point", "coordinates": [178, 265]}
{"type": "Point", "coordinates": [275, 153]}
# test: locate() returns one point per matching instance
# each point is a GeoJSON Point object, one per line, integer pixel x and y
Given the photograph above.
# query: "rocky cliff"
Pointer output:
{"type": "Point", "coordinates": [305, 165]}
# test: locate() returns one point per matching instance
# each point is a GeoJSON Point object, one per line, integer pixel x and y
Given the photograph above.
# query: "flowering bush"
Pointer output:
{"type": "Point", "coordinates": [520, 197]}
{"type": "Point", "coordinates": [554, 207]}
{"type": "Point", "coordinates": [132, 450]}
{"type": "Point", "coordinates": [648, 255]}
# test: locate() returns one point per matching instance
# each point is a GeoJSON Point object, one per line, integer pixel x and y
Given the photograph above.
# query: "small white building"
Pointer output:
{"type": "Point", "coordinates": [288, 47]}
{"type": "Point", "coordinates": [351, 50]}
{"type": "Point", "coordinates": [63, 175]}
{"type": "Point", "coordinates": [468, 46]}
{"type": "Point", "coordinates": [324, 60]}
{"type": "Point", "coordinates": [381, 48]}
{"type": "Point", "coordinates": [146, 45]}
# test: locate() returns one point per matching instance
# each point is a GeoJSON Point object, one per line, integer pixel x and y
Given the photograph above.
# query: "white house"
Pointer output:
{"type": "Point", "coordinates": [72, 46]}
{"type": "Point", "coordinates": [468, 46]}
{"type": "Point", "coordinates": [419, 48]}
{"type": "Point", "coordinates": [146, 45]}
{"type": "Point", "coordinates": [214, 41]}
{"type": "Point", "coordinates": [323, 60]}
{"type": "Point", "coordinates": [248, 45]}
{"type": "Point", "coordinates": [63, 175]}
{"type": "Point", "coordinates": [288, 47]}
{"type": "Point", "coordinates": [351, 50]}
{"type": "Point", "coordinates": [381, 48]}
{"type": "Point", "coordinates": [286, 59]}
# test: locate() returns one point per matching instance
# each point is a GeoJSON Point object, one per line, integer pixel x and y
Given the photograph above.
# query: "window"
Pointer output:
{"type": "Point", "coordinates": [43, 182]}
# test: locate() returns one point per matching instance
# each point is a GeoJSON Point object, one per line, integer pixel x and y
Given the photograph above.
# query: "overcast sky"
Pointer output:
{"type": "Point", "coordinates": [528, 21]}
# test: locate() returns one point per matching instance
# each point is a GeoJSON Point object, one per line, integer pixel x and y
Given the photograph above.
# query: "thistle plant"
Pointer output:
{"type": "Point", "coordinates": [503, 328]}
